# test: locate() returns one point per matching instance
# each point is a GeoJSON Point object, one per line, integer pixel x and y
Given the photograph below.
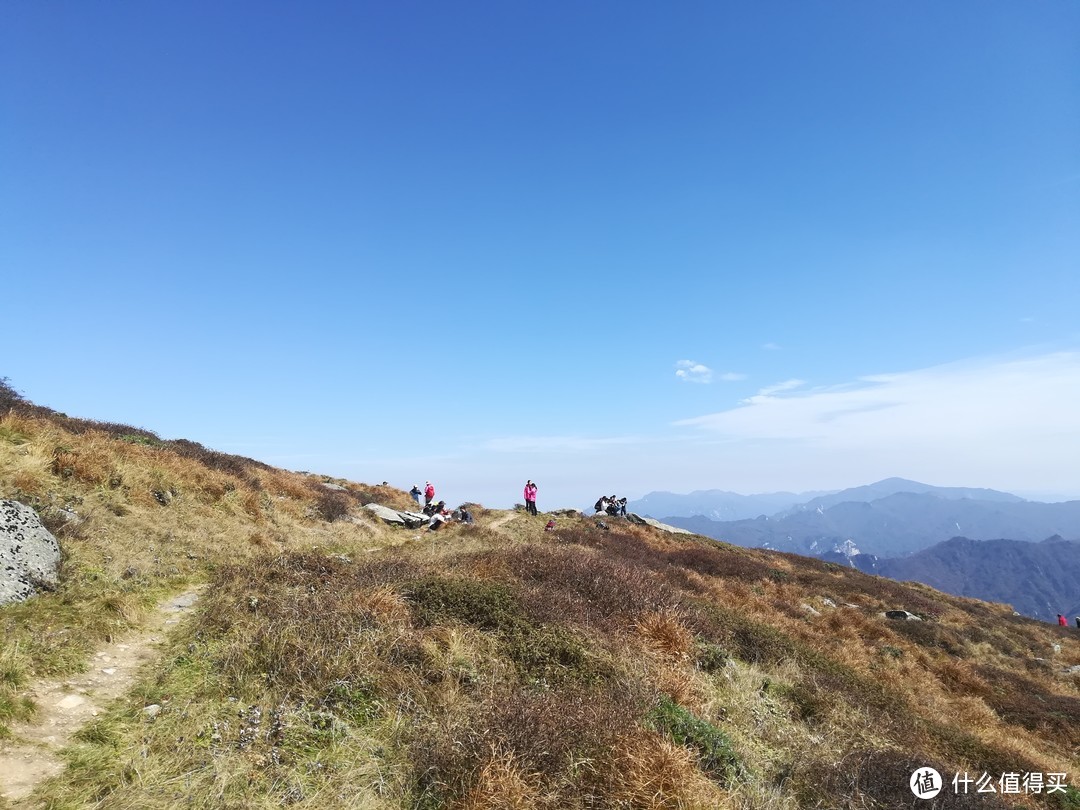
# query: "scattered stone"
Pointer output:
{"type": "Point", "coordinates": [827, 602]}
{"type": "Point", "coordinates": [153, 710]}
{"type": "Point", "coordinates": [810, 609]}
{"type": "Point", "coordinates": [109, 670]}
{"type": "Point", "coordinates": [70, 702]}
{"type": "Point", "coordinates": [565, 513]}
{"type": "Point", "coordinates": [1072, 670]}
{"type": "Point", "coordinates": [902, 615]}
{"type": "Point", "coordinates": [29, 554]}
{"type": "Point", "coordinates": [334, 487]}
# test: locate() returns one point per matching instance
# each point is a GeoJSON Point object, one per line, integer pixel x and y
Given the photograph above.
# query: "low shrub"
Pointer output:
{"type": "Point", "coordinates": [331, 505]}
{"type": "Point", "coordinates": [483, 604]}
{"type": "Point", "coordinates": [553, 655]}
{"type": "Point", "coordinates": [712, 746]}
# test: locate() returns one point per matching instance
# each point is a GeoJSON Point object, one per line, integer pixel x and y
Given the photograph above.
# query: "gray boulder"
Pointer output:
{"type": "Point", "coordinates": [386, 514]}
{"type": "Point", "coordinates": [29, 554]}
{"type": "Point", "coordinates": [656, 524]}
{"type": "Point", "coordinates": [411, 520]}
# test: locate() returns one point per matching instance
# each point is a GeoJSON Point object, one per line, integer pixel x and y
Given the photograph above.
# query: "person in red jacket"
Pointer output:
{"type": "Point", "coordinates": [1063, 621]}
{"type": "Point", "coordinates": [530, 497]}
{"type": "Point", "coordinates": [429, 493]}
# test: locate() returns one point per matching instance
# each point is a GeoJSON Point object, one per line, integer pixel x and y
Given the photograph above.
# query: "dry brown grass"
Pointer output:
{"type": "Point", "coordinates": [666, 634]}
{"type": "Point", "coordinates": [502, 784]}
{"type": "Point", "coordinates": [652, 773]}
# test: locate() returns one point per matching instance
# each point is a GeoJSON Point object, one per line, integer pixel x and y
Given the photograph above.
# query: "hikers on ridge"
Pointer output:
{"type": "Point", "coordinates": [611, 505]}
{"type": "Point", "coordinates": [530, 497]}
{"type": "Point", "coordinates": [429, 493]}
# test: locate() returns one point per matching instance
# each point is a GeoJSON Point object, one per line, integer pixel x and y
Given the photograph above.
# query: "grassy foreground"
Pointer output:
{"type": "Point", "coordinates": [336, 663]}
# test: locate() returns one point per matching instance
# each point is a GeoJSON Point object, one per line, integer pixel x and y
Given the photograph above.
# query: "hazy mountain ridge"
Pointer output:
{"type": "Point", "coordinates": [895, 525]}
{"type": "Point", "coordinates": [718, 504]}
{"type": "Point", "coordinates": [894, 486]}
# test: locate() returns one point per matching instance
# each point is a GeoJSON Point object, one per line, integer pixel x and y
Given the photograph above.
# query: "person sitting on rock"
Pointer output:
{"type": "Point", "coordinates": [550, 527]}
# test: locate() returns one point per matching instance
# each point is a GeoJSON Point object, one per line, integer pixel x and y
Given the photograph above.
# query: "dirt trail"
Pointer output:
{"type": "Point", "coordinates": [65, 706]}
{"type": "Point", "coordinates": [501, 521]}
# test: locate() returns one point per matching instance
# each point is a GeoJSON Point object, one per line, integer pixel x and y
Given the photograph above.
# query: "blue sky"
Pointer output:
{"type": "Point", "coordinates": [609, 246]}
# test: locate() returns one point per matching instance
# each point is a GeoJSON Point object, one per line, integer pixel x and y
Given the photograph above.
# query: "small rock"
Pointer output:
{"type": "Point", "coordinates": [809, 609]}
{"type": "Point", "coordinates": [153, 710]}
{"type": "Point", "coordinates": [70, 702]}
{"type": "Point", "coordinates": [827, 602]}
{"type": "Point", "coordinates": [109, 670]}
{"type": "Point", "coordinates": [902, 615]}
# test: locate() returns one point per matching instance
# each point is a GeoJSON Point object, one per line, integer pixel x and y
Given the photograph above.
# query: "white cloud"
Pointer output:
{"type": "Point", "coordinates": [690, 371]}
{"type": "Point", "coordinates": [769, 390]}
{"type": "Point", "coordinates": [1008, 423]}
{"type": "Point", "coordinates": [732, 376]}
{"type": "Point", "coordinates": [1011, 408]}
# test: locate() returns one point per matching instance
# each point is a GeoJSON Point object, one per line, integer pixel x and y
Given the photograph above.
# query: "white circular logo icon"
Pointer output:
{"type": "Point", "coordinates": [925, 783]}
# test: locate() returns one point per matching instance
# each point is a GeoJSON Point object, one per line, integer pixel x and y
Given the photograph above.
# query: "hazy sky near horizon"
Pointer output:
{"type": "Point", "coordinates": [614, 247]}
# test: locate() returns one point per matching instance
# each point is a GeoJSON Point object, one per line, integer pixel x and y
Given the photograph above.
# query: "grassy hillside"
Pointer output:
{"type": "Point", "coordinates": [334, 662]}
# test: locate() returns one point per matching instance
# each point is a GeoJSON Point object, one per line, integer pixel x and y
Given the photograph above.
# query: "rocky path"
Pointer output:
{"type": "Point", "coordinates": [65, 706]}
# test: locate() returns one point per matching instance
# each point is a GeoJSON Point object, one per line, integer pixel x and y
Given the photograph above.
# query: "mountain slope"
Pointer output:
{"type": "Point", "coordinates": [340, 663]}
{"type": "Point", "coordinates": [1037, 579]}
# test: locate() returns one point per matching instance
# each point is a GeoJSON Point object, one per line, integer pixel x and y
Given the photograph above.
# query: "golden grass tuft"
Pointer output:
{"type": "Point", "coordinates": [503, 784]}
{"type": "Point", "coordinates": [654, 773]}
{"type": "Point", "coordinates": [665, 634]}
{"type": "Point", "coordinates": [385, 604]}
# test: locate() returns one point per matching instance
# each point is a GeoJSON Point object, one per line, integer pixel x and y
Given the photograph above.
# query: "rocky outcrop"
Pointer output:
{"type": "Point", "coordinates": [656, 524]}
{"type": "Point", "coordinates": [29, 554]}
{"type": "Point", "coordinates": [411, 520]}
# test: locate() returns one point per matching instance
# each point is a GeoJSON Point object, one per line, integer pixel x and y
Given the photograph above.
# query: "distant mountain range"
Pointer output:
{"type": "Point", "coordinates": [946, 537]}
{"type": "Point", "coordinates": [1037, 579]}
{"type": "Point", "coordinates": [717, 504]}
{"type": "Point", "coordinates": [893, 518]}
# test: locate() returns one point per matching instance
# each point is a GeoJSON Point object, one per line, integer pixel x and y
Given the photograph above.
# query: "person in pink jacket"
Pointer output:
{"type": "Point", "coordinates": [530, 497]}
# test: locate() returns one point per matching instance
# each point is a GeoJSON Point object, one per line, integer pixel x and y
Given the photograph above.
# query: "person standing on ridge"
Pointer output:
{"type": "Point", "coordinates": [429, 493]}
{"type": "Point", "coordinates": [416, 493]}
{"type": "Point", "coordinates": [1062, 621]}
{"type": "Point", "coordinates": [530, 497]}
